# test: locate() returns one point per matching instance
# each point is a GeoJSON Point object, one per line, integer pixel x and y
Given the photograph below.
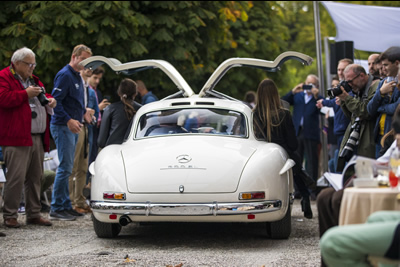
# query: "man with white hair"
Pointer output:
{"type": "Point", "coordinates": [24, 136]}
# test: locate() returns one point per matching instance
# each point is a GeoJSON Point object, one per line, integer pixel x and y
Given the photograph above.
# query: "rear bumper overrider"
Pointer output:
{"type": "Point", "coordinates": [175, 209]}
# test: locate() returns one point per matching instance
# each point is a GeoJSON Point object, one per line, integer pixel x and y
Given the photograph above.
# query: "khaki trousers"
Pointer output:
{"type": "Point", "coordinates": [24, 170]}
{"type": "Point", "coordinates": [79, 170]}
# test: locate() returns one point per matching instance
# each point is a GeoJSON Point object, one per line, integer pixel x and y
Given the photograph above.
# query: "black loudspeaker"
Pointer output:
{"type": "Point", "coordinates": [340, 50]}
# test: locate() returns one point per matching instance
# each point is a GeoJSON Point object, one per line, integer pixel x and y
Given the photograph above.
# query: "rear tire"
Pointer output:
{"type": "Point", "coordinates": [106, 230]}
{"type": "Point", "coordinates": [281, 229]}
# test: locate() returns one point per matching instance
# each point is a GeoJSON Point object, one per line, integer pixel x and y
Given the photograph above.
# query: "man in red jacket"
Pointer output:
{"type": "Point", "coordinates": [24, 136]}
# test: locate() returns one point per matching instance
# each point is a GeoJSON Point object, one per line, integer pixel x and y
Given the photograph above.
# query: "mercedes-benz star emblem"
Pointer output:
{"type": "Point", "coordinates": [183, 158]}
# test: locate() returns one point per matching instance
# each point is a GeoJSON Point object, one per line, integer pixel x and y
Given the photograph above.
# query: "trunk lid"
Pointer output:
{"type": "Point", "coordinates": [192, 164]}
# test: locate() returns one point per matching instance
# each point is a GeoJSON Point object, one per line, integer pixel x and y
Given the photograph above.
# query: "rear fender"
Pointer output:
{"type": "Point", "coordinates": [109, 172]}
{"type": "Point", "coordinates": [262, 173]}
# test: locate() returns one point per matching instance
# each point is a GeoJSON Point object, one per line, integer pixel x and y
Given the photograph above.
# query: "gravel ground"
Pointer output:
{"type": "Point", "coordinates": [167, 244]}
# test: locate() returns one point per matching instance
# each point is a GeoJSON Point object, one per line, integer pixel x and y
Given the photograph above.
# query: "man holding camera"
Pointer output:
{"type": "Point", "coordinates": [355, 108]}
{"type": "Point", "coordinates": [340, 120]}
{"type": "Point", "coordinates": [387, 96]}
{"type": "Point", "coordinates": [303, 97]}
{"type": "Point", "coordinates": [24, 136]}
{"type": "Point", "coordinates": [359, 130]}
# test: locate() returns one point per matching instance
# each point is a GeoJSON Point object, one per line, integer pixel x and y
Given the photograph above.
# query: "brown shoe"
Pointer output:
{"type": "Point", "coordinates": [12, 223]}
{"type": "Point", "coordinates": [86, 209]}
{"type": "Point", "coordinates": [39, 221]}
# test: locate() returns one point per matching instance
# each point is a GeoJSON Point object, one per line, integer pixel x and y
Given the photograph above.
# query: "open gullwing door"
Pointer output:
{"type": "Point", "coordinates": [141, 65]}
{"type": "Point", "coordinates": [271, 66]}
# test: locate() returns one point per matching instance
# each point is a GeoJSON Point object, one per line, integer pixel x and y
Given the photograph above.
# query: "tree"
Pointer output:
{"type": "Point", "coordinates": [194, 36]}
{"type": "Point", "coordinates": [188, 34]}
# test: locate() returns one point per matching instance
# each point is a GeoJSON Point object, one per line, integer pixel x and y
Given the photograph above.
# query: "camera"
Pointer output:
{"type": "Point", "coordinates": [307, 86]}
{"type": "Point", "coordinates": [333, 92]}
{"type": "Point", "coordinates": [352, 142]}
{"type": "Point", "coordinates": [42, 97]}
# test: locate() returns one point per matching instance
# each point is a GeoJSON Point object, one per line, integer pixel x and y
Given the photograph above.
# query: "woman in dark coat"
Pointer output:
{"type": "Point", "coordinates": [274, 124]}
{"type": "Point", "coordinates": [117, 117]}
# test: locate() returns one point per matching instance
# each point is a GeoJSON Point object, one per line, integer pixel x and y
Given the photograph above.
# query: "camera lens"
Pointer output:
{"type": "Point", "coordinates": [42, 98]}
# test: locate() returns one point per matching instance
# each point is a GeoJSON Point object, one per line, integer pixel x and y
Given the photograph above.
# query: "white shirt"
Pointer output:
{"type": "Point", "coordinates": [386, 157]}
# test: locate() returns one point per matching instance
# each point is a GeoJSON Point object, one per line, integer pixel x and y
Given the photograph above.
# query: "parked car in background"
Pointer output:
{"type": "Point", "coordinates": [192, 158]}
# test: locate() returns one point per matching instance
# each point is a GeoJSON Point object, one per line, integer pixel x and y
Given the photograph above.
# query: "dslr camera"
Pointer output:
{"type": "Point", "coordinates": [352, 142]}
{"type": "Point", "coordinates": [42, 97]}
{"type": "Point", "coordinates": [333, 92]}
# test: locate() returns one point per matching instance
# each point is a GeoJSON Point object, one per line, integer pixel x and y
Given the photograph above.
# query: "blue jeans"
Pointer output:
{"type": "Point", "coordinates": [332, 163]}
{"type": "Point", "coordinates": [65, 142]}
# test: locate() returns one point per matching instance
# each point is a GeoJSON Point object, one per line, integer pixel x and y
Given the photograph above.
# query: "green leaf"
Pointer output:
{"type": "Point", "coordinates": [162, 35]}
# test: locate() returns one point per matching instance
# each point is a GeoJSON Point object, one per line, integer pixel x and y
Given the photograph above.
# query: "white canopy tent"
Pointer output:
{"type": "Point", "coordinates": [371, 28]}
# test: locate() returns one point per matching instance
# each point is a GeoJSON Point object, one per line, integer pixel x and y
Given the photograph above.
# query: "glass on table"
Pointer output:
{"type": "Point", "coordinates": [393, 179]}
{"type": "Point", "coordinates": [394, 165]}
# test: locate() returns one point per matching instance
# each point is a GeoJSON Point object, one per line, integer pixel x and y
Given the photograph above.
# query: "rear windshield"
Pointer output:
{"type": "Point", "coordinates": [192, 121]}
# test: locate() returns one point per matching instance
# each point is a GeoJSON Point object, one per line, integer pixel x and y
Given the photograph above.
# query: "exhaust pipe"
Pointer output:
{"type": "Point", "coordinates": [124, 220]}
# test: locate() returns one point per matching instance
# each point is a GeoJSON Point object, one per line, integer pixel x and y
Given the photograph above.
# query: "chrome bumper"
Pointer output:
{"type": "Point", "coordinates": [174, 209]}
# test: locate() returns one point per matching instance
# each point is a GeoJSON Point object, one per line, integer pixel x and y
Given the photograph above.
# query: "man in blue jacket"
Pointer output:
{"type": "Point", "coordinates": [306, 121]}
{"type": "Point", "coordinates": [387, 96]}
{"type": "Point", "coordinates": [146, 95]}
{"type": "Point", "coordinates": [66, 123]}
{"type": "Point", "coordinates": [340, 120]}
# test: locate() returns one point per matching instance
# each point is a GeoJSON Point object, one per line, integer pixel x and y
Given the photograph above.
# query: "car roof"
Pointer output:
{"type": "Point", "coordinates": [183, 87]}
{"type": "Point", "coordinates": [196, 102]}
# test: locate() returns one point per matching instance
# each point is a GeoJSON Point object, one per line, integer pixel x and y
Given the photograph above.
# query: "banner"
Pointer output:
{"type": "Point", "coordinates": [371, 28]}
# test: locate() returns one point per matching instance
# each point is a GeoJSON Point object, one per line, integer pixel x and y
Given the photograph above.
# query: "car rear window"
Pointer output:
{"type": "Point", "coordinates": [192, 121]}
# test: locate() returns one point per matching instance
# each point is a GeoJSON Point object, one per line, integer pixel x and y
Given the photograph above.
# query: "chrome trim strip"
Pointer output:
{"type": "Point", "coordinates": [178, 209]}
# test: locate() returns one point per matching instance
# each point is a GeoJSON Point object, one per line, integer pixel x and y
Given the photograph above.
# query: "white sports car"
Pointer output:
{"type": "Point", "coordinates": [192, 158]}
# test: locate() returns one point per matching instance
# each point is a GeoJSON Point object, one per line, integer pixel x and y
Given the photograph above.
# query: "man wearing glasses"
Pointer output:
{"type": "Point", "coordinates": [355, 108]}
{"type": "Point", "coordinates": [24, 136]}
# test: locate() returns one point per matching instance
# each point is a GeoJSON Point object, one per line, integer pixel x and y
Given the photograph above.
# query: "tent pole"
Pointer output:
{"type": "Point", "coordinates": [327, 62]}
{"type": "Point", "coordinates": [323, 154]}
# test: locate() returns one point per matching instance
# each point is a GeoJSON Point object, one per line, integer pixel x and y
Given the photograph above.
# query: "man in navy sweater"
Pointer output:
{"type": "Point", "coordinates": [66, 123]}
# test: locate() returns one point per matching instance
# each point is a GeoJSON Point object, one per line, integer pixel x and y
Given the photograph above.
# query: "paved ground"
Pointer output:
{"type": "Point", "coordinates": [173, 244]}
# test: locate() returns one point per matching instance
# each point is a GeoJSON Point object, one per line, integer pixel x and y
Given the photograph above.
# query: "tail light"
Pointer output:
{"type": "Point", "coordinates": [111, 195]}
{"type": "Point", "coordinates": [251, 195]}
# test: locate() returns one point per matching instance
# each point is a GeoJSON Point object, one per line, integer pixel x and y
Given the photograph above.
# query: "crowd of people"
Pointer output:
{"type": "Point", "coordinates": [364, 106]}
{"type": "Point", "coordinates": [81, 122]}
{"type": "Point", "coordinates": [75, 116]}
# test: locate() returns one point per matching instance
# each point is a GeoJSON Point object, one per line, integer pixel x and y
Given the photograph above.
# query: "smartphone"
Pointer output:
{"type": "Point", "coordinates": [307, 86]}
{"type": "Point", "coordinates": [107, 97]}
{"type": "Point", "coordinates": [392, 79]}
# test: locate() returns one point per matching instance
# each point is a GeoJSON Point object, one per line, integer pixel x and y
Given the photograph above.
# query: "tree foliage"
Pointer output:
{"type": "Point", "coordinates": [194, 36]}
